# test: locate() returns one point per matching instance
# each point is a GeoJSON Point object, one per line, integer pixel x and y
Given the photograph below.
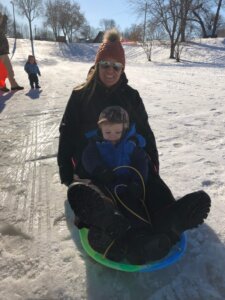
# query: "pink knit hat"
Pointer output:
{"type": "Point", "coordinates": [111, 47]}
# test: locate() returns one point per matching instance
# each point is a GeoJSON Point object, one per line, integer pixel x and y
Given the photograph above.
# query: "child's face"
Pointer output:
{"type": "Point", "coordinates": [31, 60]}
{"type": "Point", "coordinates": [112, 132]}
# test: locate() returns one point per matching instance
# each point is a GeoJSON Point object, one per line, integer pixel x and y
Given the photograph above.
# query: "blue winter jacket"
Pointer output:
{"type": "Point", "coordinates": [128, 152]}
{"type": "Point", "coordinates": [32, 69]}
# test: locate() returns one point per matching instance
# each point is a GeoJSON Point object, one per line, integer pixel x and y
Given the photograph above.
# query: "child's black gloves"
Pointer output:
{"type": "Point", "coordinates": [104, 175]}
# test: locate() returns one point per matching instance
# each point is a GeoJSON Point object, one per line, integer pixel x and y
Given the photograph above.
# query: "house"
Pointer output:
{"type": "Point", "coordinates": [61, 39]}
{"type": "Point", "coordinates": [99, 37]}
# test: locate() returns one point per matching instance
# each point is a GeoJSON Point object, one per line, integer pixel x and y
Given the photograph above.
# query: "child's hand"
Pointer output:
{"type": "Point", "coordinates": [104, 175]}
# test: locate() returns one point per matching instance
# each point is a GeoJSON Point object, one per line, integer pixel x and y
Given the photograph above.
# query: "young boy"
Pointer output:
{"type": "Point", "coordinates": [116, 161]}
{"type": "Point", "coordinates": [115, 152]}
{"type": "Point", "coordinates": [33, 71]}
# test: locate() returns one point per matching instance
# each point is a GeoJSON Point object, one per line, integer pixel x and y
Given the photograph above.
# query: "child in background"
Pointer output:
{"type": "Point", "coordinates": [33, 71]}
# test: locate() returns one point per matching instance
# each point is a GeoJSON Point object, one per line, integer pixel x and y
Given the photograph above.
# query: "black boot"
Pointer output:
{"type": "Point", "coordinates": [101, 242]}
{"type": "Point", "coordinates": [94, 210]}
{"type": "Point", "coordinates": [186, 213]}
{"type": "Point", "coordinates": [145, 247]}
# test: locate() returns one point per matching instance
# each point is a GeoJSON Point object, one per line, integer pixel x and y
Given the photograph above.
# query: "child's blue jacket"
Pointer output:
{"type": "Point", "coordinates": [32, 69]}
{"type": "Point", "coordinates": [128, 152]}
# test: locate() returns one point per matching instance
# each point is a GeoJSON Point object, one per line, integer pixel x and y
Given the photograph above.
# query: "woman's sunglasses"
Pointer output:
{"type": "Point", "coordinates": [117, 66]}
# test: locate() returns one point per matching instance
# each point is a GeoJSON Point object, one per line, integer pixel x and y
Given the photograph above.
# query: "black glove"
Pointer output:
{"type": "Point", "coordinates": [134, 190]}
{"type": "Point", "coordinates": [104, 175]}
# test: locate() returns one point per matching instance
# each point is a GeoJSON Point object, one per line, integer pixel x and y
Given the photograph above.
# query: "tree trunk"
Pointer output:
{"type": "Point", "coordinates": [200, 21]}
{"type": "Point", "coordinates": [31, 37]}
{"type": "Point", "coordinates": [216, 19]}
{"type": "Point", "coordinates": [172, 49]}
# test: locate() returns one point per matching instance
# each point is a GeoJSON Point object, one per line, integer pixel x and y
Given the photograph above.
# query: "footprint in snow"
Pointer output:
{"type": "Point", "coordinates": [207, 183]}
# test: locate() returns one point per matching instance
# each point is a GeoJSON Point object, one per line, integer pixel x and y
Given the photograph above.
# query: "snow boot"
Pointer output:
{"type": "Point", "coordinates": [94, 210]}
{"type": "Point", "coordinates": [101, 242]}
{"type": "Point", "coordinates": [17, 88]}
{"type": "Point", "coordinates": [4, 89]}
{"type": "Point", "coordinates": [145, 247]}
{"type": "Point", "coordinates": [186, 213]}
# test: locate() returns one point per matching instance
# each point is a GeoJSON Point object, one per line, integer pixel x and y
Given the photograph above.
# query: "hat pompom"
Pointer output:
{"type": "Point", "coordinates": [111, 35]}
{"type": "Point", "coordinates": [111, 47]}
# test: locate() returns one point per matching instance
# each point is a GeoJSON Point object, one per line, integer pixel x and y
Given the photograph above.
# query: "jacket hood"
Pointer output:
{"type": "Point", "coordinates": [129, 134]}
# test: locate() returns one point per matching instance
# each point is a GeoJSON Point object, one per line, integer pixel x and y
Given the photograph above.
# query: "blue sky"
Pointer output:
{"type": "Point", "coordinates": [95, 10]}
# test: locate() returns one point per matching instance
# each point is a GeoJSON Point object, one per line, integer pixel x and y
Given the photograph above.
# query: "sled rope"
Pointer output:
{"type": "Point", "coordinates": [142, 201]}
{"type": "Point", "coordinates": [111, 195]}
{"type": "Point", "coordinates": [108, 248]}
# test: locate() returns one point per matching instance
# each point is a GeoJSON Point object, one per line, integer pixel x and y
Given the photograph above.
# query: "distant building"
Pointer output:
{"type": "Point", "coordinates": [128, 42]}
{"type": "Point", "coordinates": [99, 37]}
{"type": "Point", "coordinates": [61, 39]}
{"type": "Point", "coordinates": [221, 32]}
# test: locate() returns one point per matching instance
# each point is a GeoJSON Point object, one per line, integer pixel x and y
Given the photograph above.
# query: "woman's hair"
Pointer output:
{"type": "Point", "coordinates": [90, 83]}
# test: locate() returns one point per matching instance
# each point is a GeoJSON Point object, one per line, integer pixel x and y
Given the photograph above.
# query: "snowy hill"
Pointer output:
{"type": "Point", "coordinates": [40, 253]}
{"type": "Point", "coordinates": [201, 51]}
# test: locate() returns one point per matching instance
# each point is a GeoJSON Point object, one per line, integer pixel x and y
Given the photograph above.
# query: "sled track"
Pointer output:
{"type": "Point", "coordinates": [25, 187]}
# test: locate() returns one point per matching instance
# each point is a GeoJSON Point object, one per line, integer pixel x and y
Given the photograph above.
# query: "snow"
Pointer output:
{"type": "Point", "coordinates": [40, 253]}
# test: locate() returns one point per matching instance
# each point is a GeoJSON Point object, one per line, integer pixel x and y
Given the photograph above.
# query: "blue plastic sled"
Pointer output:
{"type": "Point", "coordinates": [175, 253]}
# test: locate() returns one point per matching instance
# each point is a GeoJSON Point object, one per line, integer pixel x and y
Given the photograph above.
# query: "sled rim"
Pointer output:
{"type": "Point", "coordinates": [175, 253]}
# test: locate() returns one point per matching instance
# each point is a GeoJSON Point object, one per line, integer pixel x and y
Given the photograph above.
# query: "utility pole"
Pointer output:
{"type": "Point", "coordinates": [14, 20]}
{"type": "Point", "coordinates": [144, 29]}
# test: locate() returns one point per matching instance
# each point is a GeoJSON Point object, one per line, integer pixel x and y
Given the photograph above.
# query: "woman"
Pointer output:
{"type": "Point", "coordinates": [4, 51]}
{"type": "Point", "coordinates": [110, 232]}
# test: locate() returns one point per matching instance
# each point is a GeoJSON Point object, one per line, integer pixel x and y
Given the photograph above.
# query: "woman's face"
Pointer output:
{"type": "Point", "coordinates": [109, 76]}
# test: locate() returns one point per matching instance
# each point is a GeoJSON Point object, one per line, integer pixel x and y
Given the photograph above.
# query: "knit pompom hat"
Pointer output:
{"type": "Point", "coordinates": [111, 47]}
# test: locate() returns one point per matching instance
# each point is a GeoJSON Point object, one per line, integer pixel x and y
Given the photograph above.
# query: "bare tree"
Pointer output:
{"type": "Point", "coordinates": [10, 28]}
{"type": "Point", "coordinates": [168, 16]}
{"type": "Point", "coordinates": [107, 24]}
{"type": "Point", "coordinates": [178, 49]}
{"type": "Point", "coordinates": [52, 14]}
{"type": "Point", "coordinates": [207, 13]}
{"type": "Point", "coordinates": [31, 9]}
{"type": "Point", "coordinates": [134, 33]}
{"type": "Point", "coordinates": [216, 19]}
{"type": "Point", "coordinates": [185, 10]}
{"type": "Point", "coordinates": [70, 18]}
{"type": "Point", "coordinates": [154, 33]}
{"type": "Point", "coordinates": [65, 16]}
{"type": "Point", "coordinates": [87, 31]}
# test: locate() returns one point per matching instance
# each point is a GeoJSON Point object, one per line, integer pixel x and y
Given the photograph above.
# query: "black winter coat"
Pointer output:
{"type": "Point", "coordinates": [81, 115]}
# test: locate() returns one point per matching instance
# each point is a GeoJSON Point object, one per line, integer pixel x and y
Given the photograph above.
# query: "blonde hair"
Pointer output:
{"type": "Point", "coordinates": [90, 83]}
